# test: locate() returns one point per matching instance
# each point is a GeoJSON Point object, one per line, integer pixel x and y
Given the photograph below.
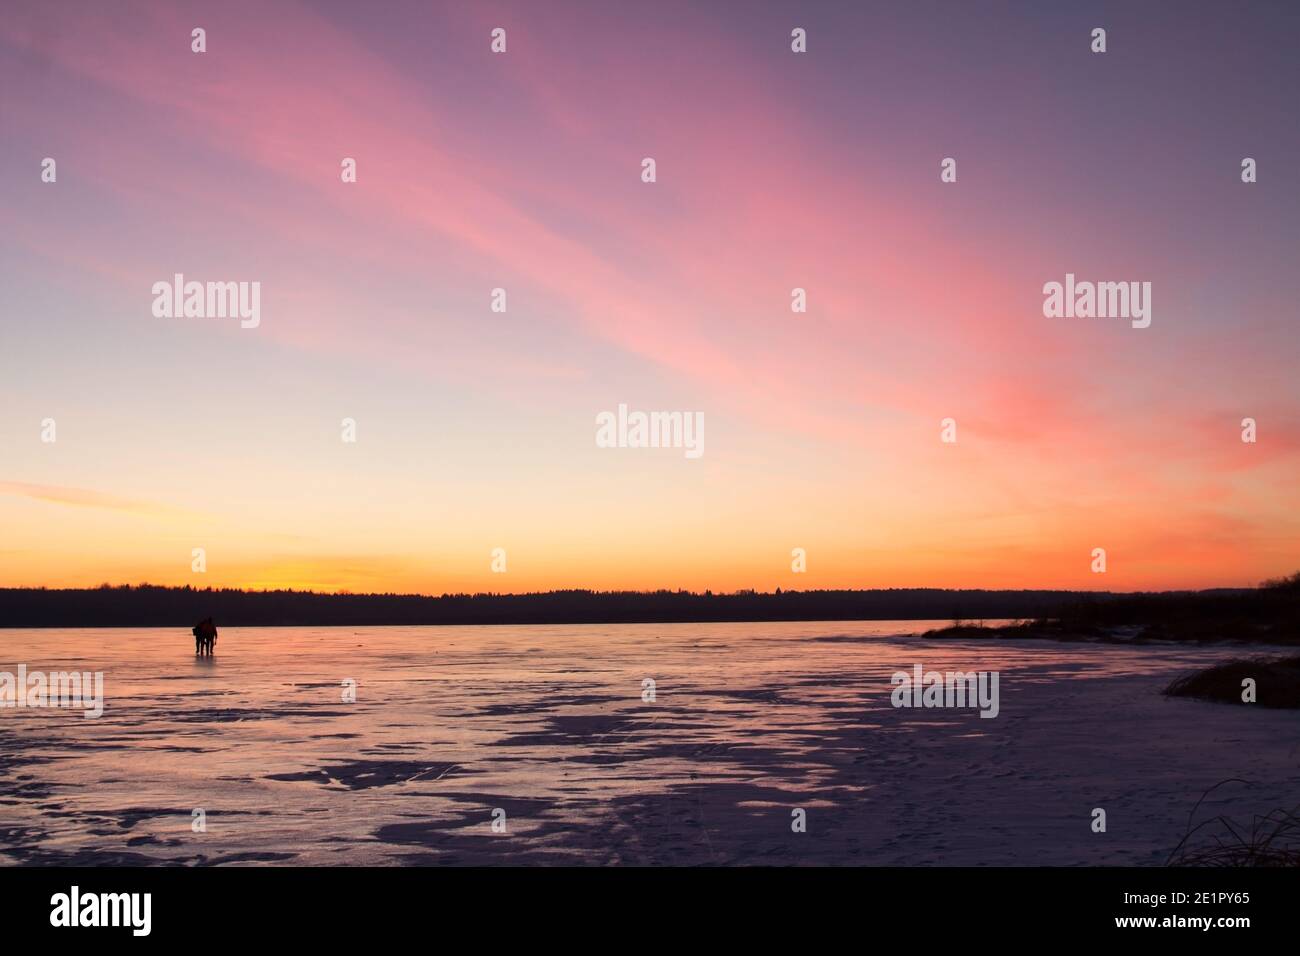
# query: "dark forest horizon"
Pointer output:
{"type": "Point", "coordinates": [146, 605]}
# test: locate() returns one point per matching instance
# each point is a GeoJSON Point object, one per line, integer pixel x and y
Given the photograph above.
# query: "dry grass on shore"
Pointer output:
{"type": "Point", "coordinates": [1271, 840]}
{"type": "Point", "coordinates": [1277, 682]}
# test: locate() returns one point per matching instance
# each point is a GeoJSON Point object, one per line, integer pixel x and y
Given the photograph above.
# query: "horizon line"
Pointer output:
{"type": "Point", "coordinates": [707, 593]}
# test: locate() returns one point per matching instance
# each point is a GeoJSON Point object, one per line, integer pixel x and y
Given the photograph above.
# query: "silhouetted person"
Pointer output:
{"type": "Point", "coordinates": [205, 636]}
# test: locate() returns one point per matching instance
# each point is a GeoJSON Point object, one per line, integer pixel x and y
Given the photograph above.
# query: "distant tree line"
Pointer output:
{"type": "Point", "coordinates": [152, 606]}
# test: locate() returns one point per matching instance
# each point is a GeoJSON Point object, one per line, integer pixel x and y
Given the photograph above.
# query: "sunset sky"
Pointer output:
{"type": "Point", "coordinates": [775, 170]}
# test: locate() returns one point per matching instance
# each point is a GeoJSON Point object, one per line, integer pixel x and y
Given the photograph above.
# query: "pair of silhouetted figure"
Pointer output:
{"type": "Point", "coordinates": [205, 636]}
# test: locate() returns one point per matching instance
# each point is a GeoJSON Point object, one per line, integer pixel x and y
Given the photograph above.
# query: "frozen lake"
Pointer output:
{"type": "Point", "coordinates": [548, 730]}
